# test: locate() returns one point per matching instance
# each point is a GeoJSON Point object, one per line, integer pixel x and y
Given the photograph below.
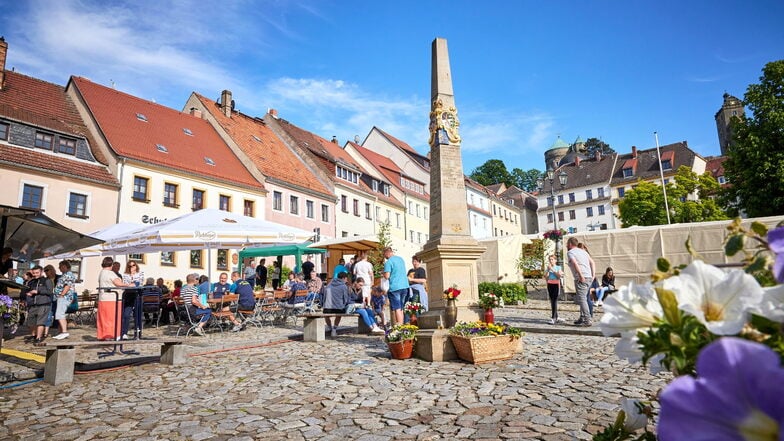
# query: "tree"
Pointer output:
{"type": "Point", "coordinates": [526, 180]}
{"type": "Point", "coordinates": [592, 145]}
{"type": "Point", "coordinates": [493, 171]}
{"type": "Point", "coordinates": [644, 205]}
{"type": "Point", "coordinates": [755, 161]}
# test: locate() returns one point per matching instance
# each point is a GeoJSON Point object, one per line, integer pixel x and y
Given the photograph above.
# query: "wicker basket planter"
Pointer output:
{"type": "Point", "coordinates": [484, 349]}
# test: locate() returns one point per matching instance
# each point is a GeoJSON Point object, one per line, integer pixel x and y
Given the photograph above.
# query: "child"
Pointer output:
{"type": "Point", "coordinates": [379, 302]}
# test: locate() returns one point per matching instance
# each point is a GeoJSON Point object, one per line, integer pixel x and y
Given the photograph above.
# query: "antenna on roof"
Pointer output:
{"type": "Point", "coordinates": [114, 85]}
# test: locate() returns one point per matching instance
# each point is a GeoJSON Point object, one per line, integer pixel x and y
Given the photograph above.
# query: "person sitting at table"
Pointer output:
{"type": "Point", "coordinates": [244, 289]}
{"type": "Point", "coordinates": [314, 285]}
{"type": "Point", "coordinates": [336, 298]}
{"type": "Point", "coordinates": [355, 291]}
{"type": "Point", "coordinates": [196, 304]}
{"type": "Point", "coordinates": [287, 284]}
{"type": "Point", "coordinates": [366, 313]}
{"type": "Point", "coordinates": [204, 285]}
{"type": "Point", "coordinates": [298, 285]}
{"type": "Point", "coordinates": [221, 287]}
{"type": "Point", "coordinates": [170, 305]}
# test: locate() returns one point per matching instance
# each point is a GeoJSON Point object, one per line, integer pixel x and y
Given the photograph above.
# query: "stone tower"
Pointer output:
{"type": "Point", "coordinates": [450, 254]}
{"type": "Point", "coordinates": [732, 107]}
{"type": "Point", "coordinates": [553, 155]}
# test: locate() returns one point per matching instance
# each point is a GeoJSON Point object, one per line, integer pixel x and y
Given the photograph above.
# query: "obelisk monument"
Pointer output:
{"type": "Point", "coordinates": [450, 254]}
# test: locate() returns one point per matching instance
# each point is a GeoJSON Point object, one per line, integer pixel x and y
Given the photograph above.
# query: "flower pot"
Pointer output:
{"type": "Point", "coordinates": [484, 349]}
{"type": "Point", "coordinates": [450, 313]}
{"type": "Point", "coordinates": [489, 317]}
{"type": "Point", "coordinates": [413, 320]}
{"type": "Point", "coordinates": [401, 350]}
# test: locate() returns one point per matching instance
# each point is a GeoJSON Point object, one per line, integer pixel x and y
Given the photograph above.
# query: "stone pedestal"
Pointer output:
{"type": "Point", "coordinates": [435, 345]}
{"type": "Point", "coordinates": [59, 366]}
{"type": "Point", "coordinates": [173, 354]}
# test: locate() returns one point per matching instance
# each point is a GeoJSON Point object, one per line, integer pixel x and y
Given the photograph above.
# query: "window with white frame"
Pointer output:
{"type": "Point", "coordinates": [294, 204]}
{"type": "Point", "coordinates": [368, 213]}
{"type": "Point", "coordinates": [355, 205]}
{"type": "Point", "coordinates": [589, 194]}
{"type": "Point", "coordinates": [170, 194]}
{"type": "Point", "coordinates": [344, 203]}
{"type": "Point", "coordinates": [277, 201]}
{"type": "Point", "coordinates": [309, 209]}
{"type": "Point", "coordinates": [600, 210]}
{"type": "Point", "coordinates": [77, 205]}
{"type": "Point", "coordinates": [32, 197]}
{"type": "Point", "coordinates": [67, 146]}
{"type": "Point", "coordinates": [324, 213]}
{"type": "Point", "coordinates": [600, 192]}
{"type": "Point", "coordinates": [346, 174]}
{"type": "Point", "coordinates": [589, 211]}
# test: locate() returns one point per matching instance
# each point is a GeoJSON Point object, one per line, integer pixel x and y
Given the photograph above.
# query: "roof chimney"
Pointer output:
{"type": "Point", "coordinates": [195, 112]}
{"type": "Point", "coordinates": [634, 151]}
{"type": "Point", "coordinates": [334, 139]}
{"type": "Point", "coordinates": [273, 113]}
{"type": "Point", "coordinates": [577, 161]}
{"type": "Point", "coordinates": [225, 103]}
{"type": "Point", "coordinates": [3, 52]}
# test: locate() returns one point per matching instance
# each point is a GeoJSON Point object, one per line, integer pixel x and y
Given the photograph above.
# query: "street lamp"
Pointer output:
{"type": "Point", "coordinates": [550, 174]}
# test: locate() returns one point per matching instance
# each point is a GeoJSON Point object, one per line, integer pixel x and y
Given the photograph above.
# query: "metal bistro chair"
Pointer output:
{"type": "Point", "coordinates": [86, 311]}
{"type": "Point", "coordinates": [297, 305]}
{"type": "Point", "coordinates": [186, 319]}
{"type": "Point", "coordinates": [251, 316]}
{"type": "Point", "coordinates": [151, 302]}
{"type": "Point", "coordinates": [219, 317]}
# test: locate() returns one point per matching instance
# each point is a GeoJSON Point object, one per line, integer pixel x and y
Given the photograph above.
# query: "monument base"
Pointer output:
{"type": "Point", "coordinates": [435, 345]}
{"type": "Point", "coordinates": [434, 319]}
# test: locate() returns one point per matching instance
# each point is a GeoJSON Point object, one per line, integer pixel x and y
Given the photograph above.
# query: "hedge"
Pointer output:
{"type": "Point", "coordinates": [511, 292]}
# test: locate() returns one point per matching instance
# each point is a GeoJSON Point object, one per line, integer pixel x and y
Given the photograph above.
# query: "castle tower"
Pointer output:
{"type": "Point", "coordinates": [732, 107]}
{"type": "Point", "coordinates": [553, 155]}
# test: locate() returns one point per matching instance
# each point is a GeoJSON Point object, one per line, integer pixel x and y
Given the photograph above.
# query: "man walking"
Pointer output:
{"type": "Point", "coordinates": [583, 272]}
{"type": "Point", "coordinates": [39, 303]}
{"type": "Point", "coordinates": [395, 272]}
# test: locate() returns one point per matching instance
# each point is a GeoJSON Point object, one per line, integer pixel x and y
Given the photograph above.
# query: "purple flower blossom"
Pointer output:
{"type": "Point", "coordinates": [776, 243]}
{"type": "Point", "coordinates": [737, 395]}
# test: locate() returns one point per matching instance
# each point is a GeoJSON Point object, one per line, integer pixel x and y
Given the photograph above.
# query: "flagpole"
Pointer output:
{"type": "Point", "coordinates": [661, 173]}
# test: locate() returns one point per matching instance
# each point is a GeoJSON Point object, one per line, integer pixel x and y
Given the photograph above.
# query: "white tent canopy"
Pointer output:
{"type": "Point", "coordinates": [204, 229]}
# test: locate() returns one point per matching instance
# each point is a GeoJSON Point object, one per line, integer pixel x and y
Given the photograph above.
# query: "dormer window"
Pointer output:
{"type": "Point", "coordinates": [375, 185]}
{"type": "Point", "coordinates": [346, 174]}
{"type": "Point", "coordinates": [141, 117]}
{"type": "Point", "coordinates": [187, 131]}
{"type": "Point", "coordinates": [209, 161]}
{"type": "Point", "coordinates": [44, 140]}
{"type": "Point", "coordinates": [628, 172]}
{"type": "Point", "coordinates": [666, 164]}
{"type": "Point", "coordinates": [667, 159]}
{"type": "Point", "coordinates": [67, 146]}
{"type": "Point", "coordinates": [161, 148]}
{"type": "Point", "coordinates": [386, 190]}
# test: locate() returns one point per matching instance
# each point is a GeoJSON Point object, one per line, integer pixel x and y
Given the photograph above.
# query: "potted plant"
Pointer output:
{"type": "Point", "coordinates": [412, 310]}
{"type": "Point", "coordinates": [400, 340]}
{"type": "Point", "coordinates": [9, 314]}
{"type": "Point", "coordinates": [488, 301]}
{"type": "Point", "coordinates": [479, 342]}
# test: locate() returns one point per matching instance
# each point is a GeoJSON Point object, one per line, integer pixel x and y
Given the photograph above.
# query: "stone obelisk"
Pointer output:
{"type": "Point", "coordinates": [450, 254]}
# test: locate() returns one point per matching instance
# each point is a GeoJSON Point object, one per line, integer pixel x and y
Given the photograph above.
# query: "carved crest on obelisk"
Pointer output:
{"type": "Point", "coordinates": [443, 125]}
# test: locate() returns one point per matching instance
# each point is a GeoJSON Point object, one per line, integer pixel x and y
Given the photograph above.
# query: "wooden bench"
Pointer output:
{"type": "Point", "coordinates": [60, 355]}
{"type": "Point", "coordinates": [313, 327]}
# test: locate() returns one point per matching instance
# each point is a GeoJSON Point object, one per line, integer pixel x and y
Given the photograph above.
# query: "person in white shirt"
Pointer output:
{"type": "Point", "coordinates": [364, 269]}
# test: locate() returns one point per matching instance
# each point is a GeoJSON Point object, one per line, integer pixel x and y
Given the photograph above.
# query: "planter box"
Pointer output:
{"type": "Point", "coordinates": [484, 349]}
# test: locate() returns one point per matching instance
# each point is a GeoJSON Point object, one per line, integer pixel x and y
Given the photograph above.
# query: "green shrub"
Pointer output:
{"type": "Point", "coordinates": [510, 292]}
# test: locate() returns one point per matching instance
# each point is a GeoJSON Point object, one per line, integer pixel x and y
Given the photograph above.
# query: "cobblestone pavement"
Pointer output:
{"type": "Point", "coordinates": [257, 384]}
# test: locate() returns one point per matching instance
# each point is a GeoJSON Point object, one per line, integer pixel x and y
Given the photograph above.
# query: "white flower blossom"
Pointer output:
{"type": "Point", "coordinates": [635, 420]}
{"type": "Point", "coordinates": [634, 307]}
{"type": "Point", "coordinates": [721, 301]}
{"type": "Point", "coordinates": [772, 305]}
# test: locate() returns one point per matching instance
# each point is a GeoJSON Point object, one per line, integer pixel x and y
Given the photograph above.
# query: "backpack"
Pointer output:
{"type": "Point", "coordinates": [74, 305]}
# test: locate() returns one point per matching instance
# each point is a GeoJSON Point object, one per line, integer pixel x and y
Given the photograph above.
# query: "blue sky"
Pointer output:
{"type": "Point", "coordinates": [523, 71]}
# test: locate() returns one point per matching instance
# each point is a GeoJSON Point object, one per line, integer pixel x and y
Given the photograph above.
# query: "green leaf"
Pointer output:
{"type": "Point", "coordinates": [734, 244]}
{"type": "Point", "coordinates": [759, 264]}
{"type": "Point", "coordinates": [691, 249]}
{"type": "Point", "coordinates": [662, 264]}
{"type": "Point", "coordinates": [759, 228]}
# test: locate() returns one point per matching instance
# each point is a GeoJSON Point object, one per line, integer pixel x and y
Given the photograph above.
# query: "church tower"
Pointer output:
{"type": "Point", "coordinates": [732, 107]}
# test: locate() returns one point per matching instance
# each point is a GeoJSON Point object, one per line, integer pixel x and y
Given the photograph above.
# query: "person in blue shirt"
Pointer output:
{"type": "Point", "coordinates": [204, 285]}
{"type": "Point", "coordinates": [395, 272]}
{"type": "Point", "coordinates": [244, 289]}
{"type": "Point", "coordinates": [222, 287]}
{"type": "Point", "coordinates": [340, 268]}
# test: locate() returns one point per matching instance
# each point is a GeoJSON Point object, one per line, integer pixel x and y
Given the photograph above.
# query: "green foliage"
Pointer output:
{"type": "Point", "coordinates": [493, 171]}
{"type": "Point", "coordinates": [755, 162]}
{"type": "Point", "coordinates": [526, 180]}
{"type": "Point", "coordinates": [376, 256]}
{"type": "Point", "coordinates": [592, 145]}
{"type": "Point", "coordinates": [510, 292]}
{"type": "Point", "coordinates": [754, 246]}
{"type": "Point", "coordinates": [644, 205]}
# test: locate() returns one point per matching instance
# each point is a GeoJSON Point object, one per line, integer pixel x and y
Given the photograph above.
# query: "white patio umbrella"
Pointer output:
{"type": "Point", "coordinates": [104, 234]}
{"type": "Point", "coordinates": [208, 228]}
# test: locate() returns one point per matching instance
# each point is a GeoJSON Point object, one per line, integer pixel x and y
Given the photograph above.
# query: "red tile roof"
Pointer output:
{"type": "Point", "coordinates": [328, 154]}
{"type": "Point", "coordinates": [390, 170]}
{"type": "Point", "coordinates": [271, 155]}
{"type": "Point", "coordinates": [46, 105]}
{"type": "Point", "coordinates": [25, 158]}
{"type": "Point", "coordinates": [116, 114]}
{"type": "Point", "coordinates": [419, 158]}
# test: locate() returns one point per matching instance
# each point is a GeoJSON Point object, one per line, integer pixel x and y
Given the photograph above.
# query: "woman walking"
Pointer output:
{"type": "Point", "coordinates": [64, 292]}
{"type": "Point", "coordinates": [553, 278]}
